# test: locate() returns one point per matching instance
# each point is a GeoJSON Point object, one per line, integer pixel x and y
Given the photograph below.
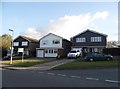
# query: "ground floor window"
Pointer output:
{"type": "Point", "coordinates": [55, 50]}
{"type": "Point", "coordinates": [50, 51]}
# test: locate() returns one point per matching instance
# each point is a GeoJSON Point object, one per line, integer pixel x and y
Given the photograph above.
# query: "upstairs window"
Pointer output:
{"type": "Point", "coordinates": [56, 41]}
{"type": "Point", "coordinates": [15, 43]}
{"type": "Point", "coordinates": [83, 39]}
{"type": "Point", "coordinates": [96, 39]}
{"type": "Point", "coordinates": [44, 42]}
{"type": "Point", "coordinates": [24, 43]}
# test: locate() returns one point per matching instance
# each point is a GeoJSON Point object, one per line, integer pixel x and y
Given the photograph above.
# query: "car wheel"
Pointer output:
{"type": "Point", "coordinates": [108, 59]}
{"type": "Point", "coordinates": [91, 59]}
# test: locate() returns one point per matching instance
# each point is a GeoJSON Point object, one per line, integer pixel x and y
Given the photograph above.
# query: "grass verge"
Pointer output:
{"type": "Point", "coordinates": [87, 64]}
{"type": "Point", "coordinates": [25, 63]}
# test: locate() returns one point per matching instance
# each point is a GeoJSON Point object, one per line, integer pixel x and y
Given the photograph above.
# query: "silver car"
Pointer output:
{"type": "Point", "coordinates": [73, 54]}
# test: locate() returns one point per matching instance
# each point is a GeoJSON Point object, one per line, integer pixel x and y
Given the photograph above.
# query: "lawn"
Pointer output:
{"type": "Point", "coordinates": [25, 63]}
{"type": "Point", "coordinates": [87, 64]}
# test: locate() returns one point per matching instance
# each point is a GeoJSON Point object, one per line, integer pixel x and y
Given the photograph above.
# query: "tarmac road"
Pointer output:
{"type": "Point", "coordinates": [61, 78]}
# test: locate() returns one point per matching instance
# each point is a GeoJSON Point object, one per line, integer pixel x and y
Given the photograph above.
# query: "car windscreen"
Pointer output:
{"type": "Point", "coordinates": [73, 52]}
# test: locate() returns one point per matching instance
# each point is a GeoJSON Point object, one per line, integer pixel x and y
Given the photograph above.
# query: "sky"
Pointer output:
{"type": "Point", "coordinates": [66, 19]}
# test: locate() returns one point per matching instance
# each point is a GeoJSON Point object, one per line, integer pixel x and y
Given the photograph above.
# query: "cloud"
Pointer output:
{"type": "Point", "coordinates": [32, 32]}
{"type": "Point", "coordinates": [68, 25]}
{"type": "Point", "coordinates": [100, 15]}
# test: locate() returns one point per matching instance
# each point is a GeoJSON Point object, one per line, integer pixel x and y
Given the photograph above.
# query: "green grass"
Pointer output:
{"type": "Point", "coordinates": [25, 63]}
{"type": "Point", "coordinates": [87, 64]}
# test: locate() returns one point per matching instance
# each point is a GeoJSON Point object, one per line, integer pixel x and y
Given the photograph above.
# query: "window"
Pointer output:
{"type": "Point", "coordinates": [56, 41]}
{"type": "Point", "coordinates": [96, 39]}
{"type": "Point", "coordinates": [25, 43]}
{"type": "Point", "coordinates": [16, 44]}
{"type": "Point", "coordinates": [44, 42]}
{"type": "Point", "coordinates": [55, 51]}
{"type": "Point", "coordinates": [83, 39]}
{"type": "Point", "coordinates": [51, 51]}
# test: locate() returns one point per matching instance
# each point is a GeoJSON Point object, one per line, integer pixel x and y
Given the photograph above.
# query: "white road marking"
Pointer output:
{"type": "Point", "coordinates": [51, 73]}
{"type": "Point", "coordinates": [75, 76]}
{"type": "Point", "coordinates": [91, 78]}
{"type": "Point", "coordinates": [112, 81]}
{"type": "Point", "coordinates": [61, 75]}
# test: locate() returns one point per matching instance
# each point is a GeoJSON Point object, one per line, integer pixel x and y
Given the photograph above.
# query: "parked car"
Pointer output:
{"type": "Point", "coordinates": [6, 57]}
{"type": "Point", "coordinates": [9, 56]}
{"type": "Point", "coordinates": [73, 54]}
{"type": "Point", "coordinates": [79, 53]}
{"type": "Point", "coordinates": [97, 56]}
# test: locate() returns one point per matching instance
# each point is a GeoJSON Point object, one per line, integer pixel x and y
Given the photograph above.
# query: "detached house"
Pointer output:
{"type": "Point", "coordinates": [28, 44]}
{"type": "Point", "coordinates": [89, 41]}
{"type": "Point", "coordinates": [54, 46]}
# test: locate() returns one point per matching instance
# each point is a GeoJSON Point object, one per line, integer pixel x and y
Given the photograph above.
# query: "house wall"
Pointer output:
{"type": "Point", "coordinates": [89, 46]}
{"type": "Point", "coordinates": [88, 42]}
{"type": "Point", "coordinates": [20, 40]}
{"type": "Point", "coordinates": [32, 47]}
{"type": "Point", "coordinates": [61, 53]}
{"type": "Point", "coordinates": [48, 40]}
{"type": "Point", "coordinates": [67, 47]}
{"type": "Point", "coordinates": [52, 49]}
{"type": "Point", "coordinates": [29, 49]}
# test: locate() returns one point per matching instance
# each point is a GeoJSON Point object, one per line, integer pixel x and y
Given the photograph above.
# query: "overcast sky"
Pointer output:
{"type": "Point", "coordinates": [66, 19]}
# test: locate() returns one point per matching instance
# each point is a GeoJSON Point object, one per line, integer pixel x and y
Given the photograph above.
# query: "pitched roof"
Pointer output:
{"type": "Point", "coordinates": [27, 38]}
{"type": "Point", "coordinates": [54, 35]}
{"type": "Point", "coordinates": [90, 31]}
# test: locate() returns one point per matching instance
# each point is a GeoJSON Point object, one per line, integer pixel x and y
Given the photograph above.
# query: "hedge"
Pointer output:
{"type": "Point", "coordinates": [112, 51]}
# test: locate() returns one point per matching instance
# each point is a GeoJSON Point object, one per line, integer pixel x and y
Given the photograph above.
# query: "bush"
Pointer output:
{"type": "Point", "coordinates": [112, 51]}
{"type": "Point", "coordinates": [4, 52]}
{"type": "Point", "coordinates": [20, 57]}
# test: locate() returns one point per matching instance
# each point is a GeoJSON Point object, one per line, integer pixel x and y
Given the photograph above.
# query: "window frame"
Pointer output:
{"type": "Point", "coordinates": [24, 43]}
{"type": "Point", "coordinates": [44, 42]}
{"type": "Point", "coordinates": [15, 43]}
{"type": "Point", "coordinates": [56, 41]}
{"type": "Point", "coordinates": [96, 39]}
{"type": "Point", "coordinates": [81, 39]}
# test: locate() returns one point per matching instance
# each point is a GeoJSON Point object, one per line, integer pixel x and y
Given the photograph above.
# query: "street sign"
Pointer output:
{"type": "Point", "coordinates": [20, 49]}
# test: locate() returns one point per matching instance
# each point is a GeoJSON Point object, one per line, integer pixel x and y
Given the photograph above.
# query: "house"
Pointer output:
{"type": "Point", "coordinates": [28, 44]}
{"type": "Point", "coordinates": [89, 41]}
{"type": "Point", "coordinates": [53, 46]}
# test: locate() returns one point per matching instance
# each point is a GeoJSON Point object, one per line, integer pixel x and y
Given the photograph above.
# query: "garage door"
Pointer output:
{"type": "Point", "coordinates": [40, 53]}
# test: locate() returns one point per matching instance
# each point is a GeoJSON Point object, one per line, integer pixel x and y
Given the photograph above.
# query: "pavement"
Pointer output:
{"type": "Point", "coordinates": [45, 66]}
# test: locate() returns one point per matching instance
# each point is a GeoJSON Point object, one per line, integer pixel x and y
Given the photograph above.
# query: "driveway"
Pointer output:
{"type": "Point", "coordinates": [52, 64]}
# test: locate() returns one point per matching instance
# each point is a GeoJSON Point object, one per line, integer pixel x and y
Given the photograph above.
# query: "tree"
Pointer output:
{"type": "Point", "coordinates": [5, 43]}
